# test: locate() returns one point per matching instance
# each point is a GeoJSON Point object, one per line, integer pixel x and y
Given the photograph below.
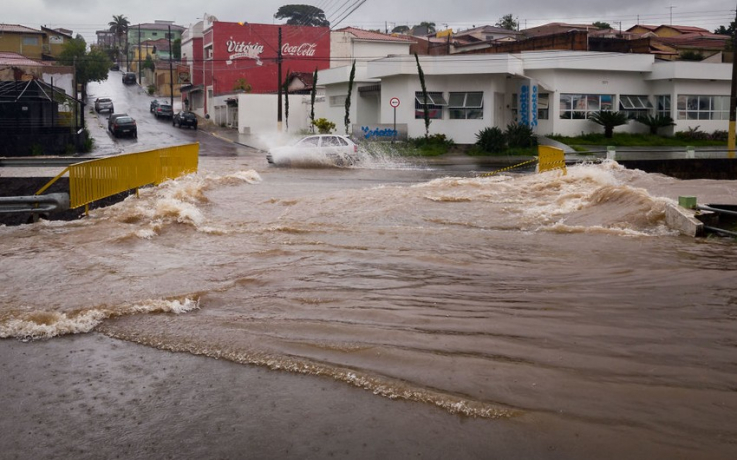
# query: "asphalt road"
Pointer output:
{"type": "Point", "coordinates": [152, 132]}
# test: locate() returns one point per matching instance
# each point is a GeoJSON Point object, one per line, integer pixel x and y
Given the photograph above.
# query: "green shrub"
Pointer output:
{"type": "Point", "coordinates": [491, 140]}
{"type": "Point", "coordinates": [693, 134]}
{"type": "Point", "coordinates": [151, 89]}
{"type": "Point", "coordinates": [520, 136]}
{"type": "Point", "coordinates": [432, 145]}
{"type": "Point", "coordinates": [719, 135]}
{"type": "Point", "coordinates": [324, 126]}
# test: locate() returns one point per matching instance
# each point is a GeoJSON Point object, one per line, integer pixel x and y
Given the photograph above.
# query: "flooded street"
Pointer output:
{"type": "Point", "coordinates": [250, 311]}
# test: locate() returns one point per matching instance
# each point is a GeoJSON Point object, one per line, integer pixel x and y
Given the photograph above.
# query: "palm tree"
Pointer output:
{"type": "Point", "coordinates": [609, 120]}
{"type": "Point", "coordinates": [119, 26]}
{"type": "Point", "coordinates": [655, 122]}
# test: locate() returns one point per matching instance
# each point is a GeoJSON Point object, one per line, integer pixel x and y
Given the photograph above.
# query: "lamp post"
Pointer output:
{"type": "Point", "coordinates": [171, 73]}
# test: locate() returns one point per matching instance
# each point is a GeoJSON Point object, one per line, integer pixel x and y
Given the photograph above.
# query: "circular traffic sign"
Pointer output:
{"type": "Point", "coordinates": [394, 102]}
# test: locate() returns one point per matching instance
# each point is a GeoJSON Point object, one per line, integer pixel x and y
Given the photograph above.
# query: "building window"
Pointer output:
{"type": "Point", "coordinates": [663, 103]}
{"type": "Point", "coordinates": [579, 106]}
{"type": "Point", "coordinates": [435, 103]}
{"type": "Point", "coordinates": [703, 107]}
{"type": "Point", "coordinates": [543, 106]}
{"type": "Point", "coordinates": [30, 41]}
{"type": "Point", "coordinates": [466, 106]}
{"type": "Point", "coordinates": [338, 101]}
{"type": "Point", "coordinates": [634, 106]}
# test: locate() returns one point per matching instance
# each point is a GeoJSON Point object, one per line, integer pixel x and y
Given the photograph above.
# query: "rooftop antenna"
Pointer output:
{"type": "Point", "coordinates": [671, 14]}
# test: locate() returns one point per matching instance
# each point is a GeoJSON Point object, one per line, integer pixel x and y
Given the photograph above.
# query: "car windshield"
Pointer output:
{"type": "Point", "coordinates": [164, 106]}
{"type": "Point", "coordinates": [124, 120]}
{"type": "Point", "coordinates": [104, 100]}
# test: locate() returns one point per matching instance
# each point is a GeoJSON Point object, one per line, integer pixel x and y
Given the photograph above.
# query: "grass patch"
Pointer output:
{"type": "Point", "coordinates": [632, 140]}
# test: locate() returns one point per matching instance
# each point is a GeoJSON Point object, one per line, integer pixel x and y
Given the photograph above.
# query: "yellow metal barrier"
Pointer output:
{"type": "Point", "coordinates": [94, 180]}
{"type": "Point", "coordinates": [550, 158]}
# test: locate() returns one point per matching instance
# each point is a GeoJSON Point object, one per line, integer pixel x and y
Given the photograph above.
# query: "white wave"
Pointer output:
{"type": "Point", "coordinates": [48, 324]}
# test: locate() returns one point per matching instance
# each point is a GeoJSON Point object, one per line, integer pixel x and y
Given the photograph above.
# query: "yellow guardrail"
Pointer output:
{"type": "Point", "coordinates": [94, 180]}
{"type": "Point", "coordinates": [550, 158]}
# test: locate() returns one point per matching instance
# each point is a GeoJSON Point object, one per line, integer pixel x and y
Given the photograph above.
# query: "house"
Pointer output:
{"type": "Point", "coordinates": [37, 118]}
{"type": "Point", "coordinates": [138, 34]}
{"type": "Point", "coordinates": [22, 40]}
{"type": "Point", "coordinates": [55, 41]}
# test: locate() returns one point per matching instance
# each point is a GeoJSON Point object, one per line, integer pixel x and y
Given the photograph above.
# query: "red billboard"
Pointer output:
{"type": "Point", "coordinates": [245, 56]}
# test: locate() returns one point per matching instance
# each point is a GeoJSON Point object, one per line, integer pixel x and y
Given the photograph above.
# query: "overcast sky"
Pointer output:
{"type": "Point", "coordinates": [87, 16]}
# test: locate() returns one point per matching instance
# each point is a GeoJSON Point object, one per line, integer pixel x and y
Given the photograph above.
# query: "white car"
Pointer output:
{"type": "Point", "coordinates": [104, 104]}
{"type": "Point", "coordinates": [320, 148]}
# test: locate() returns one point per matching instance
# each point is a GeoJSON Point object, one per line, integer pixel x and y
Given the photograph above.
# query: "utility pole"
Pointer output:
{"type": "Point", "coordinates": [139, 54]}
{"type": "Point", "coordinates": [171, 73]}
{"type": "Point", "coordinates": [278, 85]}
{"type": "Point", "coordinates": [733, 97]}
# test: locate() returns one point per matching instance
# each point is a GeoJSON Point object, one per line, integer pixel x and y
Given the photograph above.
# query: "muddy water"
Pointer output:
{"type": "Point", "coordinates": [521, 298]}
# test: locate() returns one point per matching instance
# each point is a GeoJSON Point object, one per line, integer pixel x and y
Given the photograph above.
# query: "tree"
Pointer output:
{"type": "Point", "coordinates": [347, 118]}
{"type": "Point", "coordinates": [508, 22]}
{"type": "Point", "coordinates": [119, 26]}
{"type": "Point", "coordinates": [286, 99]}
{"type": "Point", "coordinates": [313, 93]}
{"type": "Point", "coordinates": [176, 49]}
{"type": "Point", "coordinates": [303, 15]}
{"type": "Point", "coordinates": [602, 25]}
{"type": "Point", "coordinates": [425, 110]}
{"type": "Point", "coordinates": [609, 120]}
{"type": "Point", "coordinates": [655, 122]}
{"type": "Point", "coordinates": [429, 25]}
{"type": "Point", "coordinates": [401, 30]}
{"type": "Point", "coordinates": [92, 66]}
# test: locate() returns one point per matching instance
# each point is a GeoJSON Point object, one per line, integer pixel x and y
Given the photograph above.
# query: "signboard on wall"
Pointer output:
{"type": "Point", "coordinates": [381, 132]}
{"type": "Point", "coordinates": [528, 100]}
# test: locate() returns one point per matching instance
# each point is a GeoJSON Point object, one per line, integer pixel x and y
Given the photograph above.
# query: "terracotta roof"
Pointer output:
{"type": "Point", "coordinates": [698, 40]}
{"type": "Point", "coordinates": [18, 29]}
{"type": "Point", "coordinates": [8, 58]}
{"type": "Point", "coordinates": [368, 35]}
{"type": "Point", "coordinates": [685, 29]}
{"type": "Point", "coordinates": [644, 26]}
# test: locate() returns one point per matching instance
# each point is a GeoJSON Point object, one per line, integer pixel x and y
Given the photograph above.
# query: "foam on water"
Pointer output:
{"type": "Point", "coordinates": [173, 202]}
{"type": "Point", "coordinates": [47, 324]}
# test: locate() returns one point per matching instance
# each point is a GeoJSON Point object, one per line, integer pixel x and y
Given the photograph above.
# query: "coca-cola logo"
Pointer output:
{"type": "Point", "coordinates": [305, 49]}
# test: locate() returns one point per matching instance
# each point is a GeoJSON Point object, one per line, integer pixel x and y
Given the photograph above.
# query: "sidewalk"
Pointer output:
{"type": "Point", "coordinates": [233, 136]}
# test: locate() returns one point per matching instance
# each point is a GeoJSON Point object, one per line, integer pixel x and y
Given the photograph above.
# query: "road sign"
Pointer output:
{"type": "Point", "coordinates": [394, 102]}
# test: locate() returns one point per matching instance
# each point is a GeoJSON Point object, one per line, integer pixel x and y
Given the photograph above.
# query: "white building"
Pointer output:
{"type": "Point", "coordinates": [471, 92]}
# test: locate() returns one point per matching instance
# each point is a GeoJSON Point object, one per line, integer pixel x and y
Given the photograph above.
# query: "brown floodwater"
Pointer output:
{"type": "Point", "coordinates": [548, 299]}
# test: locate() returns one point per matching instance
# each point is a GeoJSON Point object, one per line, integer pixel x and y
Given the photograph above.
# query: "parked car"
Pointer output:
{"type": "Point", "coordinates": [124, 125]}
{"type": "Point", "coordinates": [104, 104]}
{"type": "Point", "coordinates": [184, 118]}
{"type": "Point", "coordinates": [115, 67]}
{"type": "Point", "coordinates": [129, 78]}
{"type": "Point", "coordinates": [112, 118]}
{"type": "Point", "coordinates": [331, 148]}
{"type": "Point", "coordinates": [163, 110]}
{"type": "Point", "coordinates": [154, 104]}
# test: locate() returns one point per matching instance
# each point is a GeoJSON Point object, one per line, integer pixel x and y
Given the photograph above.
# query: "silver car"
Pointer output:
{"type": "Point", "coordinates": [319, 148]}
{"type": "Point", "coordinates": [104, 104]}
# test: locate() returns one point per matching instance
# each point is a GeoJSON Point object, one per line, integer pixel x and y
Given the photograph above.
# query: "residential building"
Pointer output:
{"type": "Point", "coordinates": [237, 56]}
{"type": "Point", "coordinates": [139, 34]}
{"type": "Point", "coordinates": [23, 40]}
